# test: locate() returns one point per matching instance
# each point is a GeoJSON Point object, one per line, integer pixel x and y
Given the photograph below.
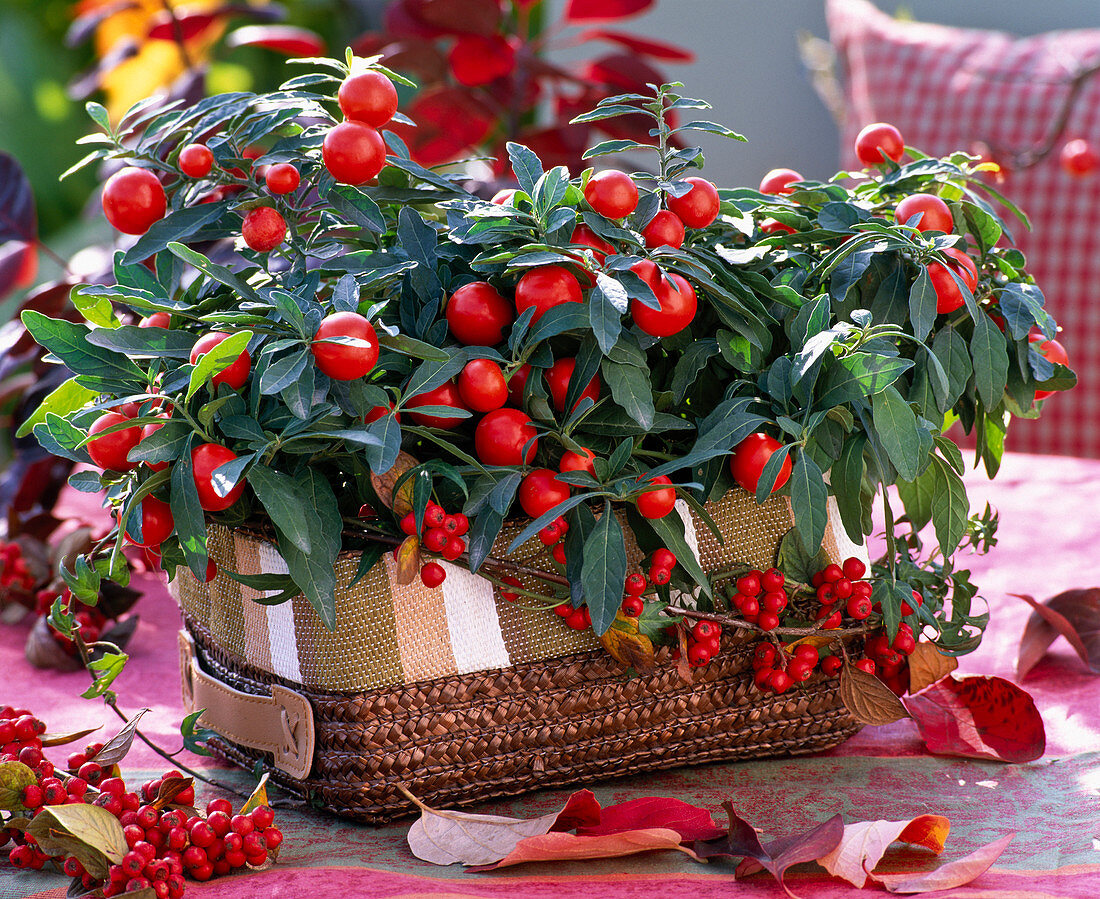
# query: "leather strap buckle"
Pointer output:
{"type": "Point", "coordinates": [281, 723]}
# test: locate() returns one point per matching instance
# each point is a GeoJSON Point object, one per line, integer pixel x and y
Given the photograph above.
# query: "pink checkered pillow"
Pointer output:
{"type": "Point", "coordinates": [950, 88]}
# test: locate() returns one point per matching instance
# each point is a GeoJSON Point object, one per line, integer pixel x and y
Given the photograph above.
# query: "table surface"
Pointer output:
{"type": "Point", "coordinates": [1047, 543]}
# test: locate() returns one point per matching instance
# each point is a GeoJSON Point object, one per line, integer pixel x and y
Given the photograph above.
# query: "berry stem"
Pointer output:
{"type": "Point", "coordinates": [749, 626]}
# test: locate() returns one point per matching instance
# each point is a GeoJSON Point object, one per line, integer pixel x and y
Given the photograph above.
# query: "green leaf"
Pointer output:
{"type": "Point", "coordinates": [693, 360]}
{"type": "Point", "coordinates": [58, 436]}
{"type": "Point", "coordinates": [410, 346]}
{"type": "Point", "coordinates": [950, 349]}
{"type": "Point", "coordinates": [795, 562]}
{"type": "Point", "coordinates": [96, 309]}
{"type": "Point", "coordinates": [670, 531]}
{"type": "Point", "coordinates": [358, 208]}
{"type": "Point", "coordinates": [314, 572]}
{"type": "Point", "coordinates": [15, 777]}
{"type": "Point", "coordinates": [631, 389]}
{"type": "Point", "coordinates": [283, 372]}
{"type": "Point", "coordinates": [63, 400]}
{"type": "Point", "coordinates": [896, 427]}
{"type": "Point", "coordinates": [847, 480]}
{"type": "Point", "coordinates": [194, 737]}
{"type": "Point", "coordinates": [603, 570]}
{"type": "Point", "coordinates": [872, 371]}
{"type": "Point", "coordinates": [710, 128]}
{"type": "Point", "coordinates": [614, 146]}
{"type": "Point", "coordinates": [990, 355]}
{"type": "Point", "coordinates": [382, 456]}
{"type": "Point", "coordinates": [922, 304]}
{"type": "Point", "coordinates": [104, 671]}
{"type": "Point", "coordinates": [218, 273]}
{"type": "Point", "coordinates": [69, 342]}
{"type": "Point", "coordinates": [917, 495]}
{"type": "Point", "coordinates": [188, 513]}
{"type": "Point", "coordinates": [98, 114]}
{"type": "Point", "coordinates": [606, 304]}
{"type": "Point", "coordinates": [950, 506]}
{"type": "Point", "coordinates": [1022, 305]}
{"type": "Point", "coordinates": [136, 342]}
{"type": "Point", "coordinates": [176, 226]}
{"type": "Point", "coordinates": [550, 190]}
{"type": "Point", "coordinates": [432, 372]}
{"type": "Point", "coordinates": [216, 360]}
{"type": "Point", "coordinates": [809, 501]}
{"type": "Point", "coordinates": [525, 165]}
{"type": "Point", "coordinates": [279, 495]}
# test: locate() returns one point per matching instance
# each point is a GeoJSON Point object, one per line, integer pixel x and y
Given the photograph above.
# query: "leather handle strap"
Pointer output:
{"type": "Point", "coordinates": [281, 723]}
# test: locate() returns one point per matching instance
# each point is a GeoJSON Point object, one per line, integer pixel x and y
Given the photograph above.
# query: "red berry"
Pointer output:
{"type": "Point", "coordinates": [774, 601]}
{"type": "Point", "coordinates": [750, 607]}
{"type": "Point", "coordinates": [779, 681]}
{"type": "Point", "coordinates": [806, 653]}
{"type": "Point", "coordinates": [91, 772]}
{"type": "Point", "coordinates": [549, 535]}
{"type": "Point", "coordinates": [633, 606]}
{"type": "Point", "coordinates": [202, 834]}
{"type": "Point", "coordinates": [353, 152]}
{"type": "Point", "coordinates": [660, 576]}
{"type": "Point", "coordinates": [408, 526]}
{"type": "Point", "coordinates": [282, 178]}
{"type": "Point", "coordinates": [704, 630]}
{"type": "Point", "coordinates": [832, 573]}
{"type": "Point", "coordinates": [772, 580]}
{"type": "Point", "coordinates": [558, 553]}
{"type": "Point", "coordinates": [826, 594]}
{"type": "Point", "coordinates": [799, 671]}
{"type": "Point", "coordinates": [263, 229]}
{"type": "Point", "coordinates": [435, 539]}
{"type": "Point", "coordinates": [636, 584]}
{"type": "Point", "coordinates": [859, 607]}
{"type": "Point", "coordinates": [133, 199]}
{"type": "Point", "coordinates": [663, 558]}
{"type": "Point", "coordinates": [368, 97]}
{"type": "Point", "coordinates": [749, 585]}
{"type": "Point", "coordinates": [854, 569]}
{"type": "Point", "coordinates": [274, 837]}
{"type": "Point", "coordinates": [866, 665]}
{"type": "Point", "coordinates": [768, 621]}
{"type": "Point", "coordinates": [918, 601]}
{"type": "Point", "coordinates": [455, 547]}
{"type": "Point", "coordinates": [764, 655]}
{"type": "Point", "coordinates": [219, 822]}
{"type": "Point", "coordinates": [611, 193]}
{"type": "Point", "coordinates": [433, 574]}
{"type": "Point", "coordinates": [698, 655]}
{"type": "Point", "coordinates": [904, 643]}
{"type": "Point", "coordinates": [831, 665]}
{"type": "Point", "coordinates": [510, 595]}
{"type": "Point", "coordinates": [219, 805]}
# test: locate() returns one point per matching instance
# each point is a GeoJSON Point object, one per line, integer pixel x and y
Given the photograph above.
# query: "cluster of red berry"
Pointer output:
{"type": "Point", "coordinates": [441, 533]}
{"type": "Point", "coordinates": [889, 659]}
{"type": "Point", "coordinates": [15, 577]}
{"type": "Point", "coordinates": [553, 537]}
{"type": "Point", "coordinates": [777, 670]}
{"type": "Point", "coordinates": [839, 590]}
{"type": "Point", "coordinates": [660, 573]}
{"type": "Point", "coordinates": [761, 597]}
{"type": "Point", "coordinates": [90, 620]}
{"type": "Point", "coordinates": [164, 843]}
{"type": "Point", "coordinates": [704, 641]}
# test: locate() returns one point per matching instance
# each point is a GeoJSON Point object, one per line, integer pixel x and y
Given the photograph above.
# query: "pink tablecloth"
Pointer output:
{"type": "Point", "coordinates": [1048, 534]}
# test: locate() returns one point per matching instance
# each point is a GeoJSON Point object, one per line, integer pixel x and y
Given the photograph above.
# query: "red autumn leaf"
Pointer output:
{"type": "Point", "coordinates": [183, 26]}
{"type": "Point", "coordinates": [399, 19]}
{"type": "Point", "coordinates": [650, 48]}
{"type": "Point", "coordinates": [978, 717]}
{"type": "Point", "coordinates": [953, 874]}
{"type": "Point", "coordinates": [864, 844]}
{"type": "Point", "coordinates": [450, 121]}
{"type": "Point", "coordinates": [18, 265]}
{"type": "Point", "coordinates": [412, 56]}
{"type": "Point", "coordinates": [553, 847]}
{"type": "Point", "coordinates": [743, 841]}
{"type": "Point", "coordinates": [457, 16]}
{"type": "Point", "coordinates": [604, 10]}
{"type": "Point", "coordinates": [286, 39]}
{"type": "Point", "coordinates": [691, 822]}
{"type": "Point", "coordinates": [1075, 614]}
{"type": "Point", "coordinates": [445, 837]}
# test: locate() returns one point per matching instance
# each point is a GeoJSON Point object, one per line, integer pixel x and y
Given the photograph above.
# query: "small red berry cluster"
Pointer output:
{"type": "Point", "coordinates": [778, 669]}
{"type": "Point", "coordinates": [761, 597]}
{"type": "Point", "coordinates": [888, 658]}
{"type": "Point", "coordinates": [164, 844]}
{"type": "Point", "coordinates": [839, 590]}
{"type": "Point", "coordinates": [660, 573]}
{"type": "Point", "coordinates": [441, 533]}
{"type": "Point", "coordinates": [15, 577]}
{"type": "Point", "coordinates": [553, 537]}
{"type": "Point", "coordinates": [703, 643]}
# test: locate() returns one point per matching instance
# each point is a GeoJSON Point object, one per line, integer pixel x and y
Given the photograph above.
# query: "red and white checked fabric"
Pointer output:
{"type": "Point", "coordinates": [949, 89]}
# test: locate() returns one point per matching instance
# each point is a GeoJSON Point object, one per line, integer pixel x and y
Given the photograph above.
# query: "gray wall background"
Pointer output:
{"type": "Point", "coordinates": [748, 67]}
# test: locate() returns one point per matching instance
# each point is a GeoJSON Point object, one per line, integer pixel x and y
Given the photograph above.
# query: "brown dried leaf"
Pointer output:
{"type": "Point", "coordinates": [62, 739]}
{"type": "Point", "coordinates": [408, 560]}
{"type": "Point", "coordinates": [627, 646]}
{"type": "Point", "coordinates": [953, 874]}
{"type": "Point", "coordinates": [170, 788]}
{"type": "Point", "coordinates": [401, 504]}
{"type": "Point", "coordinates": [550, 847]}
{"type": "Point", "coordinates": [683, 667]}
{"type": "Point", "coordinates": [43, 651]}
{"type": "Point", "coordinates": [115, 749]}
{"type": "Point", "coordinates": [927, 665]}
{"type": "Point", "coordinates": [864, 844]}
{"type": "Point", "coordinates": [868, 699]}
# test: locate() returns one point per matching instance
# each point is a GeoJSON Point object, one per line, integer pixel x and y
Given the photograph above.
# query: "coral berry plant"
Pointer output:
{"type": "Point", "coordinates": [360, 354]}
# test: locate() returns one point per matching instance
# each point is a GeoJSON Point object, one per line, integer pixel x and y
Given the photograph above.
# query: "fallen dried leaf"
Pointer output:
{"type": "Point", "coordinates": [953, 874]}
{"type": "Point", "coordinates": [743, 841]}
{"type": "Point", "coordinates": [115, 749]}
{"type": "Point", "coordinates": [62, 739]}
{"type": "Point", "coordinates": [171, 787]}
{"type": "Point", "coordinates": [258, 797]}
{"type": "Point", "coordinates": [864, 844]}
{"type": "Point", "coordinates": [558, 846]}
{"type": "Point", "coordinates": [444, 837]}
{"type": "Point", "coordinates": [1075, 614]}
{"type": "Point", "coordinates": [868, 699]}
{"type": "Point", "coordinates": [408, 560]}
{"type": "Point", "coordinates": [627, 646]}
{"type": "Point", "coordinates": [927, 665]}
{"type": "Point", "coordinates": [691, 822]}
{"type": "Point", "coordinates": [978, 717]}
{"type": "Point", "coordinates": [401, 503]}
{"type": "Point", "coordinates": [89, 832]}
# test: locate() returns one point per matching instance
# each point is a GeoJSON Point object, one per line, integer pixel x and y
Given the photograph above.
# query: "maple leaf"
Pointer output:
{"type": "Point", "coordinates": [743, 841]}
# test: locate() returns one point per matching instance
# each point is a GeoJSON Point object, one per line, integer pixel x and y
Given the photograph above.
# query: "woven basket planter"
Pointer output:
{"type": "Point", "coordinates": [462, 696]}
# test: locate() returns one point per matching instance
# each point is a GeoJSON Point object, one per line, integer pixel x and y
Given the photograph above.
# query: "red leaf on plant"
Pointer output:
{"type": "Point", "coordinates": [457, 16]}
{"type": "Point", "coordinates": [1075, 614]}
{"type": "Point", "coordinates": [18, 265]}
{"type": "Point", "coordinates": [90, 17]}
{"type": "Point", "coordinates": [978, 717]}
{"type": "Point", "coordinates": [445, 837]}
{"type": "Point", "coordinates": [864, 844]}
{"type": "Point", "coordinates": [450, 121]}
{"type": "Point", "coordinates": [399, 19]}
{"type": "Point", "coordinates": [603, 10]}
{"type": "Point", "coordinates": [743, 841]}
{"type": "Point", "coordinates": [414, 56]}
{"type": "Point", "coordinates": [650, 48]}
{"type": "Point", "coordinates": [17, 216]}
{"type": "Point", "coordinates": [690, 821]}
{"type": "Point", "coordinates": [182, 26]}
{"type": "Point", "coordinates": [286, 39]}
{"type": "Point", "coordinates": [953, 874]}
{"type": "Point", "coordinates": [552, 847]}
{"type": "Point", "coordinates": [622, 71]}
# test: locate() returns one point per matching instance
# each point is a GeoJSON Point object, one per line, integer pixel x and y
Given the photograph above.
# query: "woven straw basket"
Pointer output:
{"type": "Point", "coordinates": [462, 696]}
